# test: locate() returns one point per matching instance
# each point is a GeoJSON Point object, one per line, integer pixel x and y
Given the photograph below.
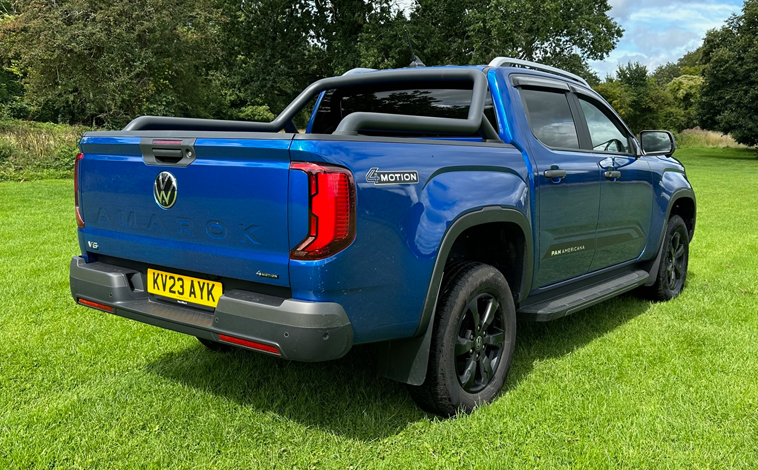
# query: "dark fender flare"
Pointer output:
{"type": "Point", "coordinates": [407, 360]}
{"type": "Point", "coordinates": [684, 193]}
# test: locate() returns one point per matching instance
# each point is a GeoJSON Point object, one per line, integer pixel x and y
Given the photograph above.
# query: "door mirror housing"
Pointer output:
{"type": "Point", "coordinates": [657, 143]}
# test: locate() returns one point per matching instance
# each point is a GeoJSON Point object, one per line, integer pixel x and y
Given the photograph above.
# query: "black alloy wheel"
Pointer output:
{"type": "Point", "coordinates": [473, 338]}
{"type": "Point", "coordinates": [675, 262]}
{"type": "Point", "coordinates": [479, 345]}
{"type": "Point", "coordinates": [672, 270]}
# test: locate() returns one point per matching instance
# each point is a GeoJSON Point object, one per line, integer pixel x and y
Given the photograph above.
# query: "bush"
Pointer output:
{"type": "Point", "coordinates": [255, 113]}
{"type": "Point", "coordinates": [7, 150]}
{"type": "Point", "coordinates": [698, 137]}
{"type": "Point", "coordinates": [34, 150]}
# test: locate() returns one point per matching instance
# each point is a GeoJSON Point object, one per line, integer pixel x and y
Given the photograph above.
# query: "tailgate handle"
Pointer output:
{"type": "Point", "coordinates": [168, 151]}
{"type": "Point", "coordinates": [168, 156]}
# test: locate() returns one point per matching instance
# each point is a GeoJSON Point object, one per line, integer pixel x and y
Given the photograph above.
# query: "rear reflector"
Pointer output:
{"type": "Point", "coordinates": [77, 163]}
{"type": "Point", "coordinates": [250, 344]}
{"type": "Point", "coordinates": [166, 142]}
{"type": "Point", "coordinates": [89, 303]}
{"type": "Point", "coordinates": [331, 222]}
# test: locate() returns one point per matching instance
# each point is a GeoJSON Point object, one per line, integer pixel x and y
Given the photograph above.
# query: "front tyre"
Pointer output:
{"type": "Point", "coordinates": [672, 272]}
{"type": "Point", "coordinates": [472, 343]}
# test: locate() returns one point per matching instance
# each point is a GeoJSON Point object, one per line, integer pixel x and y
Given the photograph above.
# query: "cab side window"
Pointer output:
{"type": "Point", "coordinates": [605, 133]}
{"type": "Point", "coordinates": [550, 118]}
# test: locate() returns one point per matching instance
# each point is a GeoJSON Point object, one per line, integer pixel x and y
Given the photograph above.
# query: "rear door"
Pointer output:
{"type": "Point", "coordinates": [221, 210]}
{"type": "Point", "coordinates": [567, 181]}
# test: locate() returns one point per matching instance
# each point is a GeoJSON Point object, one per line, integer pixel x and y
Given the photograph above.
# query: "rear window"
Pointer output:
{"type": "Point", "coordinates": [550, 118]}
{"type": "Point", "coordinates": [426, 101]}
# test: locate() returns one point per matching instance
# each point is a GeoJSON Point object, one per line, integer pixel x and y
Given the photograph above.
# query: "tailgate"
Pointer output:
{"type": "Point", "coordinates": [227, 216]}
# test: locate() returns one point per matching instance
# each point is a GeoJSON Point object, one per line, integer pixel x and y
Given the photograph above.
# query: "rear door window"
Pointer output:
{"type": "Point", "coordinates": [426, 101]}
{"type": "Point", "coordinates": [550, 118]}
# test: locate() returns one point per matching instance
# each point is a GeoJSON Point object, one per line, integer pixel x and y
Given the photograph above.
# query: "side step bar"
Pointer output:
{"type": "Point", "coordinates": [580, 299]}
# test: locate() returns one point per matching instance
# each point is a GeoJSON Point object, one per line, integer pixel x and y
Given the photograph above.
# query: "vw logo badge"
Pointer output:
{"type": "Point", "coordinates": [164, 190]}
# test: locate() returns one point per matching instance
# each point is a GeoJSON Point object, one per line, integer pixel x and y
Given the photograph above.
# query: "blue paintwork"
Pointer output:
{"type": "Point", "coordinates": [230, 218]}
{"type": "Point", "coordinates": [400, 227]}
{"type": "Point", "coordinates": [626, 206]}
{"type": "Point", "coordinates": [312, 119]}
{"type": "Point", "coordinates": [669, 178]}
{"type": "Point", "coordinates": [382, 278]}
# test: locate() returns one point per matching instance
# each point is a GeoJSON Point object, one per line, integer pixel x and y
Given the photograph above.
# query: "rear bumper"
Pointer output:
{"type": "Point", "coordinates": [300, 330]}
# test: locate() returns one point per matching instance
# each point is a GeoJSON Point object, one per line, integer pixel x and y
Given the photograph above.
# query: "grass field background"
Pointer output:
{"type": "Point", "coordinates": [625, 384]}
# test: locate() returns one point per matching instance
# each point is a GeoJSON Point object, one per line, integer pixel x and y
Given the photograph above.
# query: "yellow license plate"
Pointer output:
{"type": "Point", "coordinates": [184, 288]}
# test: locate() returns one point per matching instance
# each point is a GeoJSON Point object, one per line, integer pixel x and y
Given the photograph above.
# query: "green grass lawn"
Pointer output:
{"type": "Point", "coordinates": [626, 384]}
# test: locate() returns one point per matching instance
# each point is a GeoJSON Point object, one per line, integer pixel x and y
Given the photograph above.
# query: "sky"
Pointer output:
{"type": "Point", "coordinates": [660, 31]}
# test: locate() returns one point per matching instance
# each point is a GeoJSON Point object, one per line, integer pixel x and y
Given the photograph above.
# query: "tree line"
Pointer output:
{"type": "Point", "coordinates": [714, 87]}
{"type": "Point", "coordinates": [105, 62]}
{"type": "Point", "coordinates": [665, 98]}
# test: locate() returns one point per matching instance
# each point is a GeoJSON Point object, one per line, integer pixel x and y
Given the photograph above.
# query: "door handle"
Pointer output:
{"type": "Point", "coordinates": [550, 174]}
{"type": "Point", "coordinates": [612, 174]}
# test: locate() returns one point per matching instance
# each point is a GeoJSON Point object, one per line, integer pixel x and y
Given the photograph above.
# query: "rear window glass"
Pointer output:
{"type": "Point", "coordinates": [550, 118]}
{"type": "Point", "coordinates": [427, 101]}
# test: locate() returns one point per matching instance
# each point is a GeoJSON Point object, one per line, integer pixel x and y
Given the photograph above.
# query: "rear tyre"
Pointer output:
{"type": "Point", "coordinates": [215, 345]}
{"type": "Point", "coordinates": [672, 272]}
{"type": "Point", "coordinates": [472, 344]}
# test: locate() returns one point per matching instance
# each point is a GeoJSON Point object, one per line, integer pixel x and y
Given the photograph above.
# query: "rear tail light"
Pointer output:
{"type": "Point", "coordinates": [249, 344]}
{"type": "Point", "coordinates": [77, 163]}
{"type": "Point", "coordinates": [331, 224]}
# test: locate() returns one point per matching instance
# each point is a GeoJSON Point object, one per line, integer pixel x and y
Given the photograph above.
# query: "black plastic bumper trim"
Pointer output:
{"type": "Point", "coordinates": [300, 330]}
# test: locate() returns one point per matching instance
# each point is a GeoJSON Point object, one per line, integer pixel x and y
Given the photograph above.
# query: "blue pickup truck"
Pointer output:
{"type": "Point", "coordinates": [423, 210]}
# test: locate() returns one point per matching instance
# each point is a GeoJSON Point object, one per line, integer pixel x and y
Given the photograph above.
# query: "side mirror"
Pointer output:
{"type": "Point", "coordinates": [657, 143]}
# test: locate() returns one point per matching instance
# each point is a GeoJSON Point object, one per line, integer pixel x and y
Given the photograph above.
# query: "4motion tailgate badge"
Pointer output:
{"type": "Point", "coordinates": [391, 177]}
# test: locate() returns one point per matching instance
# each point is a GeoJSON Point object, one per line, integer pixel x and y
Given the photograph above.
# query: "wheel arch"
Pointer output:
{"type": "Point", "coordinates": [407, 360]}
{"type": "Point", "coordinates": [683, 204]}
{"type": "Point", "coordinates": [464, 224]}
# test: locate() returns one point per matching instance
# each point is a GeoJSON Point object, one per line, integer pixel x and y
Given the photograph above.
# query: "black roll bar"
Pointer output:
{"type": "Point", "coordinates": [355, 122]}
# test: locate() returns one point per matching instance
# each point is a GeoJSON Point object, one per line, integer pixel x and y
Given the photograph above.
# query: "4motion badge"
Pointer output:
{"type": "Point", "coordinates": [391, 177]}
{"type": "Point", "coordinates": [164, 190]}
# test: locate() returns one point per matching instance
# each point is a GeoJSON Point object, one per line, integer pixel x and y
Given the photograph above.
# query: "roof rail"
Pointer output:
{"type": "Point", "coordinates": [358, 70]}
{"type": "Point", "coordinates": [509, 62]}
